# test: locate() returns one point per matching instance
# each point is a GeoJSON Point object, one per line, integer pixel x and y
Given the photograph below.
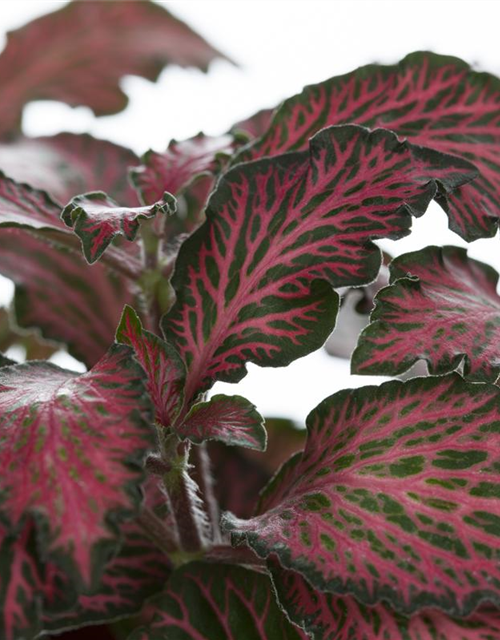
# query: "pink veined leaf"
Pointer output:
{"type": "Point", "coordinates": [433, 100]}
{"type": "Point", "coordinates": [205, 601]}
{"type": "Point", "coordinates": [229, 419]}
{"type": "Point", "coordinates": [79, 54]}
{"type": "Point", "coordinates": [72, 445]}
{"type": "Point", "coordinates": [256, 125]}
{"type": "Point", "coordinates": [165, 370]}
{"type": "Point", "coordinates": [56, 290]}
{"type": "Point", "coordinates": [441, 307]}
{"type": "Point", "coordinates": [137, 572]}
{"type": "Point", "coordinates": [67, 163]}
{"type": "Point", "coordinates": [97, 219]}
{"type": "Point", "coordinates": [254, 282]}
{"type": "Point", "coordinates": [329, 617]}
{"type": "Point", "coordinates": [180, 165]}
{"type": "Point", "coordinates": [396, 496]}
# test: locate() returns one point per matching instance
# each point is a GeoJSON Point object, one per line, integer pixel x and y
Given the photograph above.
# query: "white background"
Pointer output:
{"type": "Point", "coordinates": [279, 46]}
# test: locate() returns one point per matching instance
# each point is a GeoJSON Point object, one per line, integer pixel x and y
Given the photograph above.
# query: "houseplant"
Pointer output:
{"type": "Point", "coordinates": [126, 491]}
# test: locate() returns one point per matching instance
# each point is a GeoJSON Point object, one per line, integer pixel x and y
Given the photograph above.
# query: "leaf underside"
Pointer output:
{"type": "Point", "coordinates": [441, 307]}
{"type": "Point", "coordinates": [254, 282]}
{"type": "Point", "coordinates": [215, 601]}
{"type": "Point", "coordinates": [85, 48]}
{"type": "Point", "coordinates": [432, 100]}
{"type": "Point", "coordinates": [396, 496]}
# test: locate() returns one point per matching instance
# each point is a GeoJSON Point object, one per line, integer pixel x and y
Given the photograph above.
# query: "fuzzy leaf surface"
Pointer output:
{"type": "Point", "coordinates": [79, 54]}
{"type": "Point", "coordinates": [329, 617]}
{"type": "Point", "coordinates": [396, 496]}
{"type": "Point", "coordinates": [72, 445]}
{"type": "Point", "coordinates": [229, 419]}
{"type": "Point", "coordinates": [97, 219]}
{"type": "Point", "coordinates": [66, 164]}
{"type": "Point", "coordinates": [254, 282]}
{"type": "Point", "coordinates": [441, 307]}
{"type": "Point", "coordinates": [433, 100]}
{"type": "Point", "coordinates": [164, 368]}
{"type": "Point", "coordinates": [213, 601]}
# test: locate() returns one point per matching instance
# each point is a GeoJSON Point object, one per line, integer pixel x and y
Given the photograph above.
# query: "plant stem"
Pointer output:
{"type": "Point", "coordinates": [201, 461]}
{"type": "Point", "coordinates": [157, 532]}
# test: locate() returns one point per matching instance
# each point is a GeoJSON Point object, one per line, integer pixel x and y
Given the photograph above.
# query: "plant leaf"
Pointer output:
{"type": "Point", "coordinates": [97, 219]}
{"type": "Point", "coordinates": [395, 497]}
{"type": "Point", "coordinates": [139, 571]}
{"type": "Point", "coordinates": [205, 601]}
{"type": "Point", "coordinates": [79, 54]}
{"type": "Point", "coordinates": [180, 165]}
{"type": "Point", "coordinates": [229, 419]}
{"type": "Point", "coordinates": [67, 163]}
{"type": "Point", "coordinates": [247, 281]}
{"type": "Point", "coordinates": [433, 100]}
{"type": "Point", "coordinates": [329, 617]}
{"type": "Point", "coordinates": [446, 310]}
{"type": "Point", "coordinates": [256, 125]}
{"type": "Point", "coordinates": [72, 445]}
{"type": "Point", "coordinates": [164, 368]}
{"type": "Point", "coordinates": [56, 290]}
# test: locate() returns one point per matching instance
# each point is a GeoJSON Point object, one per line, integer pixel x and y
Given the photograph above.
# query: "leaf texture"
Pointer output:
{"type": "Point", "coordinates": [433, 100]}
{"type": "Point", "coordinates": [396, 496]}
{"type": "Point", "coordinates": [72, 445]}
{"type": "Point", "coordinates": [254, 282]}
{"type": "Point", "coordinates": [441, 307]}
{"type": "Point", "coordinates": [329, 617]}
{"type": "Point", "coordinates": [215, 601]}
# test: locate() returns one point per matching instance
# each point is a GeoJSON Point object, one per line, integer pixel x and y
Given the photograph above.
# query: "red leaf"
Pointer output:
{"type": "Point", "coordinates": [433, 100]}
{"type": "Point", "coordinates": [247, 281]}
{"type": "Point", "coordinates": [79, 54]}
{"type": "Point", "coordinates": [442, 307]}
{"type": "Point", "coordinates": [324, 615]}
{"type": "Point", "coordinates": [97, 219]}
{"type": "Point", "coordinates": [396, 496]}
{"type": "Point", "coordinates": [72, 446]}
{"type": "Point", "coordinates": [67, 164]}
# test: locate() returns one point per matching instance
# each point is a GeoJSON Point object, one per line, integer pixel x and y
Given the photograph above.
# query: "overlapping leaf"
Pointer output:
{"type": "Point", "coordinates": [230, 419]}
{"type": "Point", "coordinates": [396, 496]}
{"type": "Point", "coordinates": [97, 219]}
{"type": "Point", "coordinates": [139, 571]}
{"type": "Point", "coordinates": [34, 347]}
{"type": "Point", "coordinates": [329, 617]}
{"type": "Point", "coordinates": [56, 290]}
{"type": "Point", "coordinates": [181, 164]}
{"type": "Point", "coordinates": [71, 445]}
{"type": "Point", "coordinates": [433, 100]}
{"type": "Point", "coordinates": [247, 281]}
{"type": "Point", "coordinates": [67, 164]}
{"type": "Point", "coordinates": [79, 54]}
{"type": "Point", "coordinates": [211, 602]}
{"type": "Point", "coordinates": [256, 125]}
{"type": "Point", "coordinates": [446, 310]}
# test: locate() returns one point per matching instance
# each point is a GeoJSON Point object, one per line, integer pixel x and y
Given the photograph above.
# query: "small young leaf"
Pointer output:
{"type": "Point", "coordinates": [433, 100]}
{"type": "Point", "coordinates": [256, 125]}
{"type": "Point", "coordinates": [247, 281]}
{"type": "Point", "coordinates": [396, 496]}
{"type": "Point", "coordinates": [97, 219]}
{"type": "Point", "coordinates": [229, 419]}
{"type": "Point", "coordinates": [325, 616]}
{"type": "Point", "coordinates": [180, 165]}
{"type": "Point", "coordinates": [446, 310]}
{"type": "Point", "coordinates": [215, 601]}
{"type": "Point", "coordinates": [79, 54]}
{"type": "Point", "coordinates": [164, 368]}
{"type": "Point", "coordinates": [68, 163]}
{"type": "Point", "coordinates": [71, 444]}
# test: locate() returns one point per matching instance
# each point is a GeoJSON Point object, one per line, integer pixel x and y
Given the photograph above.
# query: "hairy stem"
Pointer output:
{"type": "Point", "coordinates": [201, 461]}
